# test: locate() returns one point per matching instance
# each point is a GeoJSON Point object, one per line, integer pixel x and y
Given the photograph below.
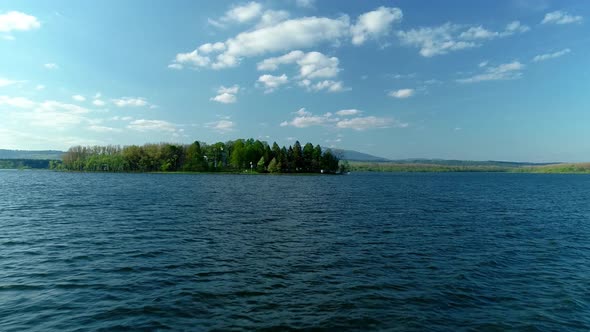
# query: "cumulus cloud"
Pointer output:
{"type": "Point", "coordinates": [304, 119]}
{"type": "Point", "coordinates": [515, 27]}
{"type": "Point", "coordinates": [51, 66]}
{"type": "Point", "coordinates": [222, 126]}
{"type": "Point", "coordinates": [130, 102]}
{"type": "Point", "coordinates": [435, 41]}
{"type": "Point", "coordinates": [17, 21]}
{"type": "Point", "coordinates": [368, 122]}
{"type": "Point", "coordinates": [6, 82]}
{"type": "Point", "coordinates": [402, 93]}
{"type": "Point", "coordinates": [506, 71]}
{"type": "Point", "coordinates": [561, 17]}
{"type": "Point", "coordinates": [374, 24]}
{"type": "Point", "coordinates": [311, 65]}
{"type": "Point", "coordinates": [543, 57]}
{"type": "Point", "coordinates": [79, 98]}
{"type": "Point", "coordinates": [18, 102]}
{"type": "Point", "coordinates": [450, 37]}
{"type": "Point", "coordinates": [271, 82]}
{"type": "Point", "coordinates": [299, 33]}
{"type": "Point", "coordinates": [244, 13]}
{"type": "Point", "coordinates": [49, 113]}
{"type": "Point", "coordinates": [144, 125]}
{"type": "Point", "coordinates": [226, 95]}
{"type": "Point", "coordinates": [478, 32]}
{"type": "Point", "coordinates": [326, 85]}
{"type": "Point", "coordinates": [272, 17]}
{"type": "Point", "coordinates": [348, 112]}
{"type": "Point", "coordinates": [175, 66]}
{"type": "Point", "coordinates": [98, 102]}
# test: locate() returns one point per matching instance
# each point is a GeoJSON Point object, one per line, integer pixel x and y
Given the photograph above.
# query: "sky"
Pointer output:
{"type": "Point", "coordinates": [477, 80]}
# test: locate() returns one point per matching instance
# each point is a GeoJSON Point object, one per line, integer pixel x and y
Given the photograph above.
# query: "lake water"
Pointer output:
{"type": "Point", "coordinates": [399, 252]}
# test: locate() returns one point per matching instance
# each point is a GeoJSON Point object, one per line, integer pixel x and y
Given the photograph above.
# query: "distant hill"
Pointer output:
{"type": "Point", "coordinates": [451, 162]}
{"type": "Point", "coordinates": [351, 155]}
{"type": "Point", "coordinates": [26, 154]}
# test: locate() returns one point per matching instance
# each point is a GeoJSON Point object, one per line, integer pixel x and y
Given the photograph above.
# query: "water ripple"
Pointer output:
{"type": "Point", "coordinates": [396, 252]}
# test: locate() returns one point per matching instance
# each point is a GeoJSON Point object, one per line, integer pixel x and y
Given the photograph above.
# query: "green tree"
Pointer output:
{"type": "Point", "coordinates": [260, 166]}
{"type": "Point", "coordinates": [308, 157]}
{"type": "Point", "coordinates": [316, 158]}
{"type": "Point", "coordinates": [274, 166]}
{"type": "Point", "coordinates": [297, 157]}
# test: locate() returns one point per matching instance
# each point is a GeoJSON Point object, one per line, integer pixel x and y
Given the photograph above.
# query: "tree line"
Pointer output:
{"type": "Point", "coordinates": [239, 155]}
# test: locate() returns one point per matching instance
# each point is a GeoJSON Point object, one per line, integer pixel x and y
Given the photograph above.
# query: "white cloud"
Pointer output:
{"type": "Point", "coordinates": [144, 125]}
{"type": "Point", "coordinates": [560, 17]}
{"type": "Point", "coordinates": [18, 102]}
{"type": "Point", "coordinates": [272, 17]}
{"type": "Point", "coordinates": [483, 64]}
{"type": "Point", "coordinates": [226, 95]}
{"type": "Point", "coordinates": [368, 122]}
{"type": "Point", "coordinates": [244, 13]}
{"type": "Point", "coordinates": [543, 57]}
{"type": "Point", "coordinates": [349, 112]}
{"type": "Point", "coordinates": [514, 27]}
{"type": "Point", "coordinates": [224, 98]}
{"type": "Point", "coordinates": [449, 37]}
{"type": "Point", "coordinates": [478, 32]}
{"type": "Point", "coordinates": [212, 47]}
{"type": "Point", "coordinates": [6, 82]}
{"type": "Point", "coordinates": [51, 66]}
{"type": "Point", "coordinates": [130, 102]}
{"type": "Point", "coordinates": [402, 93]}
{"type": "Point", "coordinates": [103, 129]}
{"type": "Point", "coordinates": [40, 87]}
{"type": "Point", "coordinates": [311, 65]}
{"type": "Point", "coordinates": [299, 33]}
{"type": "Point", "coordinates": [121, 118]}
{"type": "Point", "coordinates": [55, 114]}
{"type": "Point", "coordinates": [221, 126]}
{"type": "Point", "coordinates": [79, 98]}
{"type": "Point", "coordinates": [374, 24]}
{"type": "Point", "coordinates": [304, 119]}
{"type": "Point", "coordinates": [17, 21]}
{"type": "Point", "coordinates": [435, 41]}
{"type": "Point", "coordinates": [193, 58]}
{"type": "Point", "coordinates": [295, 33]}
{"type": "Point", "coordinates": [506, 71]}
{"type": "Point", "coordinates": [327, 85]}
{"type": "Point", "coordinates": [98, 102]}
{"type": "Point", "coordinates": [272, 82]}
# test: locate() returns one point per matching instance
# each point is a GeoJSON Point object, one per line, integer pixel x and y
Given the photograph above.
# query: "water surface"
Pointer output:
{"type": "Point", "coordinates": [399, 252]}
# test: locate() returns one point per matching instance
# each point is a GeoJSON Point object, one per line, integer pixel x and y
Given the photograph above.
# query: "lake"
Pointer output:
{"type": "Point", "coordinates": [397, 252]}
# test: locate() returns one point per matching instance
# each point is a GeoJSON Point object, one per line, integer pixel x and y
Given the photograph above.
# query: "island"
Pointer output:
{"type": "Point", "coordinates": [241, 155]}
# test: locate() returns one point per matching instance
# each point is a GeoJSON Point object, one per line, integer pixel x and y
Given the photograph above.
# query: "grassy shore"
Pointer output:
{"type": "Point", "coordinates": [573, 168]}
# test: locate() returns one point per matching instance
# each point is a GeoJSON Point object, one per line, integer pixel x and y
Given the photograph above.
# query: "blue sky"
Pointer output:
{"type": "Point", "coordinates": [502, 80]}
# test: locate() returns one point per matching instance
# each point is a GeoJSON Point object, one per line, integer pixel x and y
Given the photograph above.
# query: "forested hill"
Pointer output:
{"type": "Point", "coordinates": [26, 154]}
{"type": "Point", "coordinates": [351, 155]}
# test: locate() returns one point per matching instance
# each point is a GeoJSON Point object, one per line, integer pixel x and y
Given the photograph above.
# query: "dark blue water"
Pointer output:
{"type": "Point", "coordinates": [399, 252]}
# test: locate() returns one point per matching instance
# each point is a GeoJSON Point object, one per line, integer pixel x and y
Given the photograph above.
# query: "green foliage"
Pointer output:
{"type": "Point", "coordinates": [274, 166]}
{"type": "Point", "coordinates": [25, 163]}
{"type": "Point", "coordinates": [232, 156]}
